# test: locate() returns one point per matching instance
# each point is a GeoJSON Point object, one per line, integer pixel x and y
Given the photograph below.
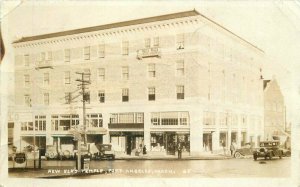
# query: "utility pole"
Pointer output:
{"type": "Point", "coordinates": [82, 84]}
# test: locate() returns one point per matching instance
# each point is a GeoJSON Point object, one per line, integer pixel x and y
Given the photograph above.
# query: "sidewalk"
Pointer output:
{"type": "Point", "coordinates": [174, 157]}
{"type": "Point", "coordinates": [65, 170]}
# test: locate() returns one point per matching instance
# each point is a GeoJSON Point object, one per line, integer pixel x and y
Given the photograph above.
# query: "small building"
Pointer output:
{"type": "Point", "coordinates": [274, 110]}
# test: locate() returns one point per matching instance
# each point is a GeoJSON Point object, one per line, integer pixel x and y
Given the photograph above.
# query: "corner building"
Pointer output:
{"type": "Point", "coordinates": [155, 81]}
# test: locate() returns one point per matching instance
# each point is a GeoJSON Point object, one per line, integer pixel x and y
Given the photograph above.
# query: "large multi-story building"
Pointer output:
{"type": "Point", "coordinates": [155, 81]}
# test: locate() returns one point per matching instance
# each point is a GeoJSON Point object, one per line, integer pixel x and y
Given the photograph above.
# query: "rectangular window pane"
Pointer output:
{"type": "Point", "coordinates": [68, 97]}
{"type": "Point", "coordinates": [151, 94]}
{"type": "Point", "coordinates": [180, 41]}
{"type": "Point", "coordinates": [26, 80]}
{"type": "Point", "coordinates": [67, 77]}
{"type": "Point", "coordinates": [156, 42]}
{"type": "Point", "coordinates": [125, 73]}
{"type": "Point", "coordinates": [46, 79]}
{"type": "Point", "coordinates": [27, 100]}
{"type": "Point", "coordinates": [101, 95]}
{"type": "Point", "coordinates": [26, 60]}
{"type": "Point", "coordinates": [180, 92]}
{"type": "Point", "coordinates": [101, 74]}
{"type": "Point", "coordinates": [87, 53]}
{"type": "Point", "coordinates": [67, 55]}
{"type": "Point", "coordinates": [101, 50]}
{"type": "Point", "coordinates": [46, 98]}
{"type": "Point", "coordinates": [147, 43]}
{"type": "Point", "coordinates": [125, 48]}
{"type": "Point", "coordinates": [180, 68]}
{"type": "Point", "coordinates": [125, 95]}
{"type": "Point", "coordinates": [151, 70]}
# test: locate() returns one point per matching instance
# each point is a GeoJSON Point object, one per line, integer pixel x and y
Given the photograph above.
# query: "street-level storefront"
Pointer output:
{"type": "Point", "coordinates": [127, 142]}
{"type": "Point", "coordinates": [167, 142]}
{"type": "Point", "coordinates": [126, 131]}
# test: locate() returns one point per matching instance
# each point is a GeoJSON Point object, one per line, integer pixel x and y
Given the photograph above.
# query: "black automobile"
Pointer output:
{"type": "Point", "coordinates": [105, 152]}
{"type": "Point", "coordinates": [268, 149]}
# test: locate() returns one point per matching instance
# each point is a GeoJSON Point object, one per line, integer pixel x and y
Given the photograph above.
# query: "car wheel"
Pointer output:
{"type": "Point", "coordinates": [237, 155]}
{"type": "Point", "coordinates": [255, 157]}
{"type": "Point", "coordinates": [270, 156]}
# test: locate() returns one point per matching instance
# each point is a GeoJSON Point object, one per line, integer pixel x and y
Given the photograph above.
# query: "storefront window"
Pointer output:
{"type": "Point", "coordinates": [157, 142]}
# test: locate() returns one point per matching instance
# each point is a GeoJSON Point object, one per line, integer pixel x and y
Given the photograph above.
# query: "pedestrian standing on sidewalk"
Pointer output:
{"type": "Point", "coordinates": [179, 149]}
{"type": "Point", "coordinates": [224, 145]}
{"type": "Point", "coordinates": [144, 150]}
{"type": "Point", "coordinates": [232, 149]}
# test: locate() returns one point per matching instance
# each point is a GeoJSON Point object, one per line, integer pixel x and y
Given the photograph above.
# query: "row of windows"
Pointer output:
{"type": "Point", "coordinates": [225, 119]}
{"type": "Point", "coordinates": [170, 118]}
{"type": "Point", "coordinates": [101, 74]}
{"type": "Point", "coordinates": [149, 42]}
{"type": "Point", "coordinates": [101, 96]}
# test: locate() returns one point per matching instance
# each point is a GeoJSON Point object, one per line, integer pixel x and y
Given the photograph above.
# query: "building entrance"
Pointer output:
{"type": "Point", "coordinates": [207, 142]}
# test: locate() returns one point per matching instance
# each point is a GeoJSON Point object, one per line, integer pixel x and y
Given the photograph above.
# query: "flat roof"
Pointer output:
{"type": "Point", "coordinates": [128, 23]}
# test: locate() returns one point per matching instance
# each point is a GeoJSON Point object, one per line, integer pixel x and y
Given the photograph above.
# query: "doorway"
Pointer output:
{"type": "Point", "coordinates": [171, 143]}
{"type": "Point", "coordinates": [207, 142]}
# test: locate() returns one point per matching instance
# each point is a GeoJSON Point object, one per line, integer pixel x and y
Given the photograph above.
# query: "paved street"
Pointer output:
{"type": "Point", "coordinates": [171, 168]}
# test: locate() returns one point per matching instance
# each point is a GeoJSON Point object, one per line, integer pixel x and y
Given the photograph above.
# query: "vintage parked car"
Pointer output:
{"type": "Point", "coordinates": [246, 150]}
{"type": "Point", "coordinates": [268, 149]}
{"type": "Point", "coordinates": [105, 151]}
{"type": "Point", "coordinates": [51, 152]}
{"type": "Point", "coordinates": [67, 151]}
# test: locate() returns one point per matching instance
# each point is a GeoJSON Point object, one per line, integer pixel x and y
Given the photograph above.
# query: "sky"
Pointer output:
{"type": "Point", "coordinates": [272, 26]}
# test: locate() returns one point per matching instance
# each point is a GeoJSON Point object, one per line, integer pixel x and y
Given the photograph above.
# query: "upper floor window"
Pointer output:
{"type": "Point", "coordinates": [125, 48]}
{"type": "Point", "coordinates": [87, 74]}
{"type": "Point", "coordinates": [67, 77]}
{"type": "Point", "coordinates": [68, 97]}
{"type": "Point", "coordinates": [180, 92]}
{"type": "Point", "coordinates": [46, 98]}
{"type": "Point", "coordinates": [125, 72]}
{"type": "Point", "coordinates": [26, 60]}
{"type": "Point", "coordinates": [67, 55]}
{"type": "Point", "coordinates": [49, 56]}
{"type": "Point", "coordinates": [46, 79]}
{"type": "Point", "coordinates": [27, 100]}
{"type": "Point", "coordinates": [125, 94]}
{"type": "Point", "coordinates": [156, 41]}
{"type": "Point", "coordinates": [151, 70]}
{"type": "Point", "coordinates": [101, 50]}
{"type": "Point", "coordinates": [180, 41]}
{"type": "Point", "coordinates": [26, 80]}
{"type": "Point", "coordinates": [42, 56]}
{"type": "Point", "coordinates": [40, 123]}
{"type": "Point", "coordinates": [180, 68]}
{"type": "Point", "coordinates": [101, 74]}
{"type": "Point", "coordinates": [87, 53]}
{"type": "Point", "coordinates": [101, 95]}
{"type": "Point", "coordinates": [147, 42]}
{"type": "Point", "coordinates": [151, 94]}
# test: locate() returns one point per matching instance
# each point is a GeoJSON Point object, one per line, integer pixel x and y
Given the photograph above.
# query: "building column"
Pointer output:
{"type": "Point", "coordinates": [196, 133]}
{"type": "Point", "coordinates": [239, 132]}
{"type": "Point", "coordinates": [49, 138]}
{"type": "Point", "coordinates": [106, 137]}
{"type": "Point", "coordinates": [147, 124]}
{"type": "Point", "coordinates": [216, 135]}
